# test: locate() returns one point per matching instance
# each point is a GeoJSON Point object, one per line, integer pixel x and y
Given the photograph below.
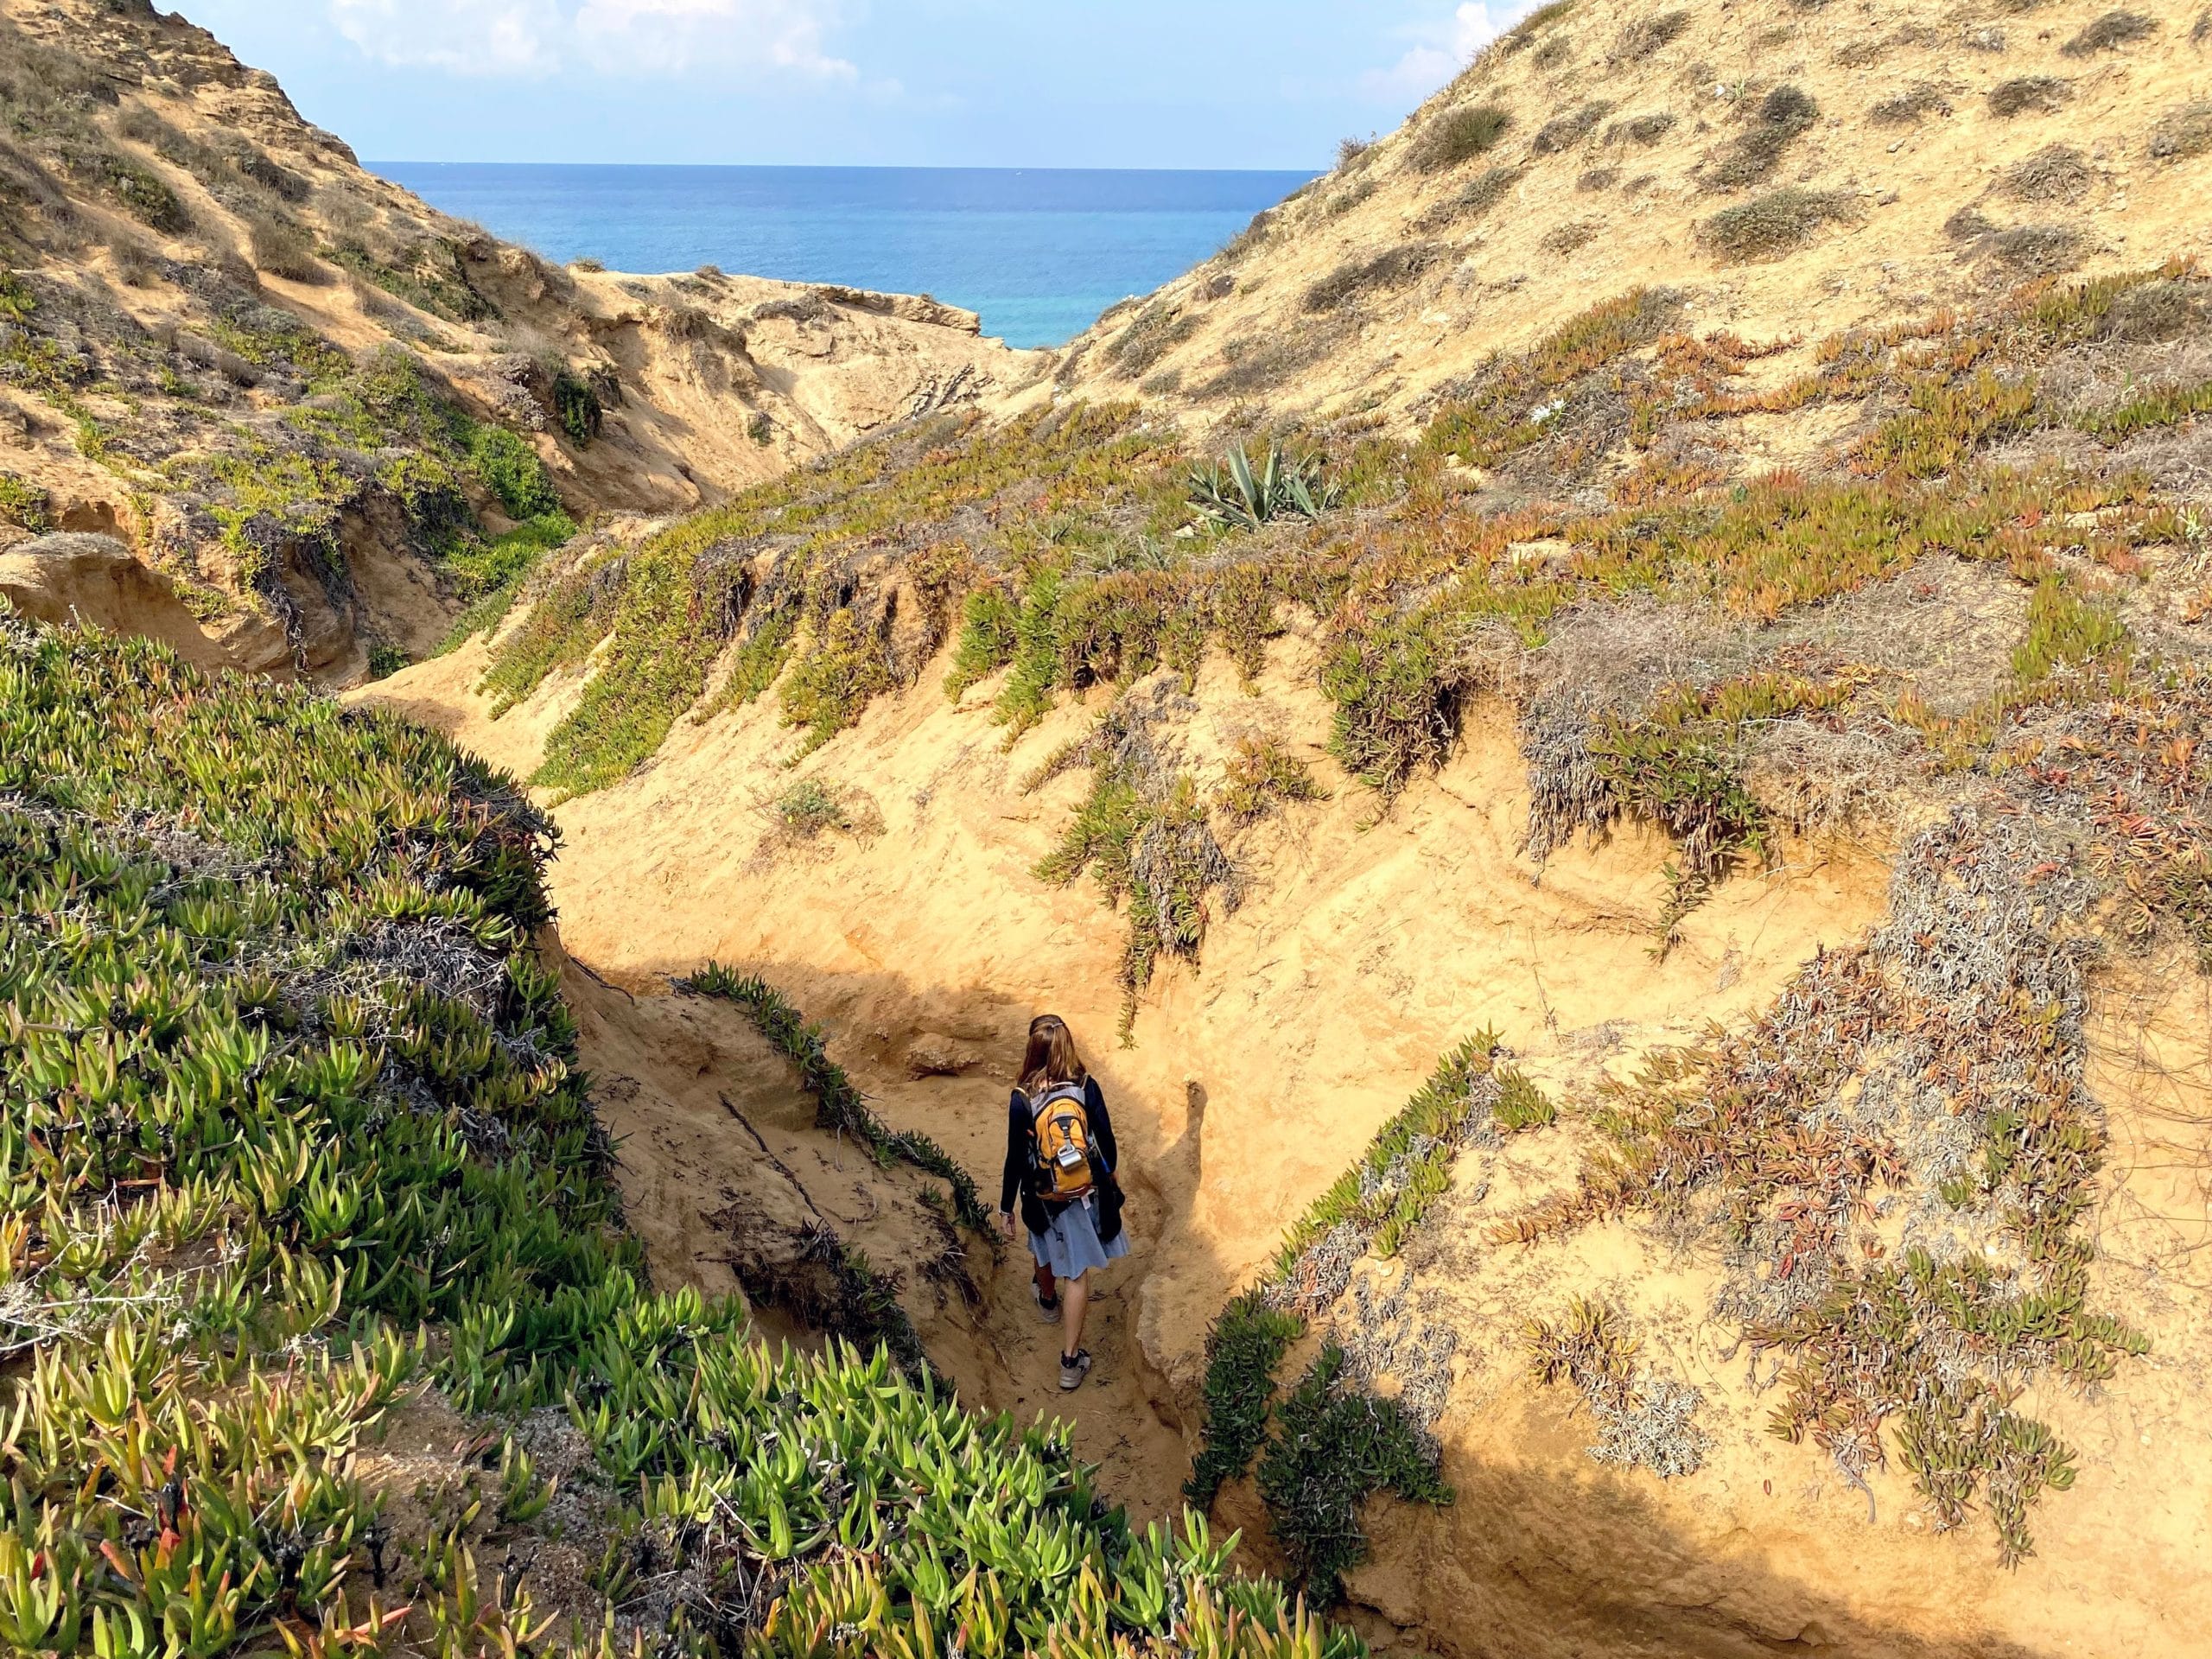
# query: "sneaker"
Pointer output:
{"type": "Point", "coordinates": [1048, 1307]}
{"type": "Point", "coordinates": [1073, 1370]}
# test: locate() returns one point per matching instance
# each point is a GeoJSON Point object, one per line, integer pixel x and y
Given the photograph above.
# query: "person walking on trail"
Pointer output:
{"type": "Point", "coordinates": [1060, 1158]}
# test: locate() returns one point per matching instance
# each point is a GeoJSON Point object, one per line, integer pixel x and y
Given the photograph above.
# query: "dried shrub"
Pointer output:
{"type": "Point", "coordinates": [2055, 173]}
{"type": "Point", "coordinates": [1552, 53]}
{"type": "Point", "coordinates": [282, 248]}
{"type": "Point", "coordinates": [1470, 200]}
{"type": "Point", "coordinates": [1641, 38]}
{"type": "Point", "coordinates": [1599, 178]}
{"type": "Point", "coordinates": [1565, 132]}
{"type": "Point", "coordinates": [2183, 132]}
{"type": "Point", "coordinates": [2110, 33]}
{"type": "Point", "coordinates": [134, 262]}
{"type": "Point", "coordinates": [1915, 103]}
{"type": "Point", "coordinates": [1393, 268]}
{"type": "Point", "coordinates": [2030, 95]}
{"type": "Point", "coordinates": [1575, 234]}
{"type": "Point", "coordinates": [1156, 331]}
{"type": "Point", "coordinates": [2038, 249]}
{"type": "Point", "coordinates": [1458, 135]}
{"type": "Point", "coordinates": [1775, 223]}
{"type": "Point", "coordinates": [1640, 129]}
{"type": "Point", "coordinates": [1250, 240]}
{"type": "Point", "coordinates": [1784, 115]}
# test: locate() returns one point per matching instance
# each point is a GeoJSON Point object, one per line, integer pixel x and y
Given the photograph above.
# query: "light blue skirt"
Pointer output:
{"type": "Point", "coordinates": [1072, 1248]}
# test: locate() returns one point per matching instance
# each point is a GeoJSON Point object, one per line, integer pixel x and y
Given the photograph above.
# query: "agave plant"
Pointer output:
{"type": "Point", "coordinates": [1229, 495]}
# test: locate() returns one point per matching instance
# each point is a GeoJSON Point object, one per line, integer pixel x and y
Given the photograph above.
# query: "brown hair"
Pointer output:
{"type": "Point", "coordinates": [1051, 1056]}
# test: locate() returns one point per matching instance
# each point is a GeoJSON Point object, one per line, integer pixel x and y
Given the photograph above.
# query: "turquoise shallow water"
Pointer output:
{"type": "Point", "coordinates": [1039, 252]}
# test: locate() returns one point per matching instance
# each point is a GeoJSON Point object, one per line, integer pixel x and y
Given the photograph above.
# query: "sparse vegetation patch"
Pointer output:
{"type": "Point", "coordinates": [1777, 222]}
{"type": "Point", "coordinates": [1458, 135]}
{"type": "Point", "coordinates": [2030, 95]}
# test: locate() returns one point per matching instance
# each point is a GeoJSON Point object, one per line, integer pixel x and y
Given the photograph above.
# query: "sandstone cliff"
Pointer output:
{"type": "Point", "coordinates": [326, 419]}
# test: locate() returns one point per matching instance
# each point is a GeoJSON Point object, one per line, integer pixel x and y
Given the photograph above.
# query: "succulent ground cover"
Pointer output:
{"type": "Point", "coordinates": [294, 1144]}
{"type": "Point", "coordinates": [1734, 657]}
{"type": "Point", "coordinates": [1555, 493]}
{"type": "Point", "coordinates": [1329, 1443]}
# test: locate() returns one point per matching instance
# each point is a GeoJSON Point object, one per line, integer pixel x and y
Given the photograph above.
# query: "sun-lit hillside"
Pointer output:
{"type": "Point", "coordinates": [1598, 727]}
{"type": "Point", "coordinates": [313, 421]}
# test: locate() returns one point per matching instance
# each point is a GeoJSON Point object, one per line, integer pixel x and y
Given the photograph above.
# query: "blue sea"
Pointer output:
{"type": "Point", "coordinates": [1039, 252]}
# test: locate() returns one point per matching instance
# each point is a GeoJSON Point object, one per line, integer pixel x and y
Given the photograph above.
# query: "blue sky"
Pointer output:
{"type": "Point", "coordinates": [1038, 83]}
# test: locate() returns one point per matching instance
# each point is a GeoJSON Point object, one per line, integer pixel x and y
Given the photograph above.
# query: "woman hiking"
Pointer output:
{"type": "Point", "coordinates": [1059, 1166]}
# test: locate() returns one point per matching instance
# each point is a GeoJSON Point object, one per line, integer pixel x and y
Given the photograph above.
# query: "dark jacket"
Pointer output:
{"type": "Point", "coordinates": [1021, 1175]}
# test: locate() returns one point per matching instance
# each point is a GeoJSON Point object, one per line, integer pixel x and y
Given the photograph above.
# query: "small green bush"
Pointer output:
{"type": "Point", "coordinates": [2067, 630]}
{"type": "Point", "coordinates": [505, 464]}
{"type": "Point", "coordinates": [1262, 774]}
{"type": "Point", "coordinates": [806, 808]}
{"type": "Point", "coordinates": [24, 504]}
{"type": "Point", "coordinates": [1460, 135]}
{"type": "Point", "coordinates": [1243, 1351]}
{"type": "Point", "coordinates": [476, 567]}
{"type": "Point", "coordinates": [2165, 406]}
{"type": "Point", "coordinates": [1336, 1445]}
{"type": "Point", "coordinates": [576, 403]}
{"type": "Point", "coordinates": [988, 639]}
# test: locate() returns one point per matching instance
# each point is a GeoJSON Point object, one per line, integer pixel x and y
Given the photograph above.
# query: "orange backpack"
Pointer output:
{"type": "Point", "coordinates": [1060, 1136]}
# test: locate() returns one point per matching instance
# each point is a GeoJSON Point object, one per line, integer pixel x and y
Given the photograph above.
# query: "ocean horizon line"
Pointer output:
{"type": "Point", "coordinates": [377, 164]}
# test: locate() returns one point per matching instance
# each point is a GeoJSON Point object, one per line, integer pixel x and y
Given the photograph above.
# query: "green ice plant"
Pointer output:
{"type": "Point", "coordinates": [290, 1130]}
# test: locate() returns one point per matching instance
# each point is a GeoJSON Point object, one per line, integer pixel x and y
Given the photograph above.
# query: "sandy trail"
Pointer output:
{"type": "Point", "coordinates": [721, 1165]}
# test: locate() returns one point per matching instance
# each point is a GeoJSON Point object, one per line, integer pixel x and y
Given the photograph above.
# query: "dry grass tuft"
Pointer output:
{"type": "Point", "coordinates": [1470, 201]}
{"type": "Point", "coordinates": [1784, 115]}
{"type": "Point", "coordinates": [1775, 224]}
{"type": "Point", "coordinates": [1394, 268]}
{"type": "Point", "coordinates": [1640, 129]}
{"type": "Point", "coordinates": [1458, 135]}
{"type": "Point", "coordinates": [1565, 132]}
{"type": "Point", "coordinates": [1915, 103]}
{"type": "Point", "coordinates": [2183, 132]}
{"type": "Point", "coordinates": [2110, 33]}
{"type": "Point", "coordinates": [1575, 234]}
{"type": "Point", "coordinates": [2055, 173]}
{"type": "Point", "coordinates": [2038, 249]}
{"type": "Point", "coordinates": [1647, 34]}
{"type": "Point", "coordinates": [2030, 95]}
{"type": "Point", "coordinates": [281, 248]}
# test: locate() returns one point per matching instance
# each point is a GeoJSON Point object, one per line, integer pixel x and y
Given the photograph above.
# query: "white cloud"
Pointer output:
{"type": "Point", "coordinates": [1439, 51]}
{"type": "Point", "coordinates": [619, 37]}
